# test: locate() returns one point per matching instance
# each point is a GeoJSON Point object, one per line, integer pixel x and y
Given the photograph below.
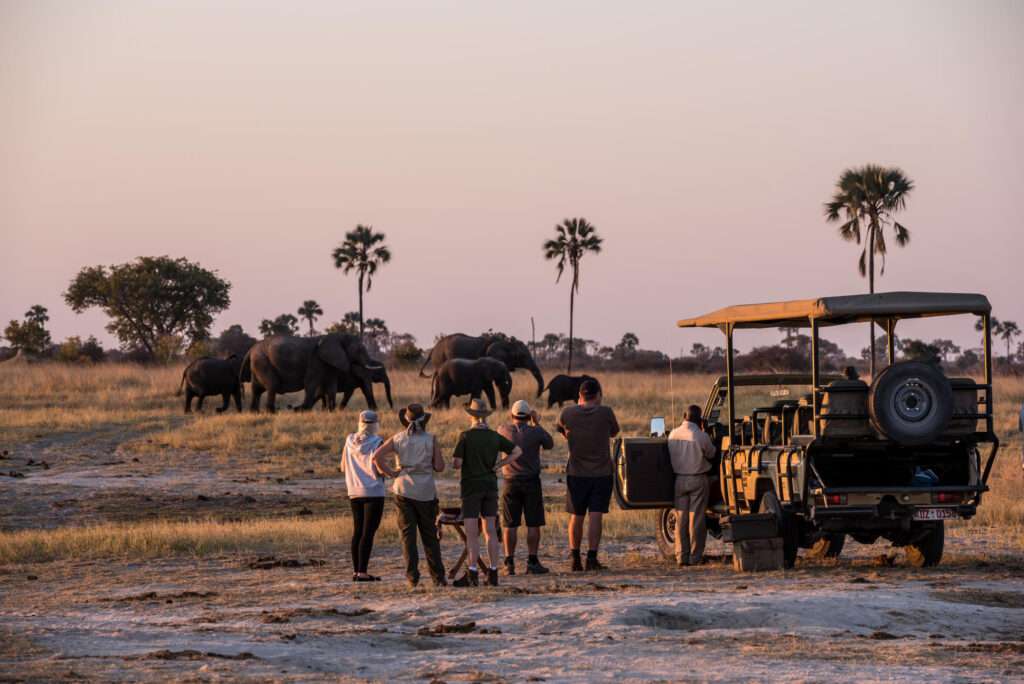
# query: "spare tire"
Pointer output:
{"type": "Point", "coordinates": [910, 402]}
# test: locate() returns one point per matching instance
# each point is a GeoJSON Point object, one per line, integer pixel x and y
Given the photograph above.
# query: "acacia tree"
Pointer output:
{"type": "Point", "coordinates": [574, 238]}
{"type": "Point", "coordinates": [362, 251]}
{"type": "Point", "coordinates": [285, 324]}
{"type": "Point", "coordinates": [868, 198]}
{"type": "Point", "coordinates": [151, 299]}
{"type": "Point", "coordinates": [30, 335]}
{"type": "Point", "coordinates": [310, 311]}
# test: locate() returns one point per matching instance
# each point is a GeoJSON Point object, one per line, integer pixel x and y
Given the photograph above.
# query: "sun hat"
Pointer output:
{"type": "Point", "coordinates": [521, 409]}
{"type": "Point", "coordinates": [478, 408]}
{"type": "Point", "coordinates": [412, 413]}
{"type": "Point", "coordinates": [368, 416]}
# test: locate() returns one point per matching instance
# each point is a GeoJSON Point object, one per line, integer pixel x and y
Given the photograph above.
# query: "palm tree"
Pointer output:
{"type": "Point", "coordinates": [573, 239]}
{"type": "Point", "coordinates": [868, 198]}
{"type": "Point", "coordinates": [363, 252]}
{"type": "Point", "coordinates": [1008, 330]}
{"type": "Point", "coordinates": [311, 311]}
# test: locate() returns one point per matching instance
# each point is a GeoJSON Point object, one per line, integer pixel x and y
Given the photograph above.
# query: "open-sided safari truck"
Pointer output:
{"type": "Point", "coordinates": [806, 460]}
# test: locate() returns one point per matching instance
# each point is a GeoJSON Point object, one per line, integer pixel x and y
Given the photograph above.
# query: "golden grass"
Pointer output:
{"type": "Point", "coordinates": [136, 406]}
{"type": "Point", "coordinates": [292, 535]}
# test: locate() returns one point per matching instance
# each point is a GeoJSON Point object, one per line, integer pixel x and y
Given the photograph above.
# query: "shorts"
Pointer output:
{"type": "Point", "coordinates": [522, 499]}
{"type": "Point", "coordinates": [587, 494]}
{"type": "Point", "coordinates": [481, 504]}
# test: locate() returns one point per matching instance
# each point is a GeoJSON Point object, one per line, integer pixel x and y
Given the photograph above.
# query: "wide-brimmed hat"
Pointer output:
{"type": "Point", "coordinates": [368, 416]}
{"type": "Point", "coordinates": [413, 412]}
{"type": "Point", "coordinates": [521, 409]}
{"type": "Point", "coordinates": [478, 408]}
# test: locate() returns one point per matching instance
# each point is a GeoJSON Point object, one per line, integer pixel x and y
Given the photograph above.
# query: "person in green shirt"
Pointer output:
{"type": "Point", "coordinates": [477, 457]}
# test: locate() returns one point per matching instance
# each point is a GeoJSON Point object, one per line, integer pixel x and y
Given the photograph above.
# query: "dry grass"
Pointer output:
{"type": "Point", "coordinates": [138, 407]}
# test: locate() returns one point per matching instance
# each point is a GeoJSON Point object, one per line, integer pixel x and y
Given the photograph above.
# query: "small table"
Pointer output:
{"type": "Point", "coordinates": [452, 517]}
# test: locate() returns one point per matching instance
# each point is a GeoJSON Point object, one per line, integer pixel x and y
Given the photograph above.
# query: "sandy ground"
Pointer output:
{"type": "Point", "coordinates": [643, 620]}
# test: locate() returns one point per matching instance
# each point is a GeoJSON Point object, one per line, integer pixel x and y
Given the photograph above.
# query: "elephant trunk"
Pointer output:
{"type": "Point", "coordinates": [535, 372]}
{"type": "Point", "coordinates": [387, 390]}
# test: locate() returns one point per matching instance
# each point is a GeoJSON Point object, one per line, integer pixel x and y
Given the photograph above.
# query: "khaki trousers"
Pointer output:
{"type": "Point", "coordinates": [419, 516]}
{"type": "Point", "coordinates": [691, 503]}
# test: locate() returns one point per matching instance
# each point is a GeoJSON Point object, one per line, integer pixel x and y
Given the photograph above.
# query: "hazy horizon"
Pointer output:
{"type": "Point", "coordinates": [700, 139]}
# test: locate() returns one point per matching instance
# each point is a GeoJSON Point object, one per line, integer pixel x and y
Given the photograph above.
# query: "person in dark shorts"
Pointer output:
{"type": "Point", "coordinates": [588, 426]}
{"type": "Point", "coordinates": [476, 455]}
{"type": "Point", "coordinates": [521, 494]}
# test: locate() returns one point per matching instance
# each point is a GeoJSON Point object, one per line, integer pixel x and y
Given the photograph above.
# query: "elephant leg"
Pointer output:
{"type": "Point", "coordinates": [371, 401]}
{"type": "Point", "coordinates": [227, 402]}
{"type": "Point", "coordinates": [257, 392]}
{"type": "Point", "coordinates": [347, 396]}
{"type": "Point", "coordinates": [271, 401]}
{"type": "Point", "coordinates": [489, 391]}
{"type": "Point", "coordinates": [188, 399]}
{"type": "Point", "coordinates": [237, 394]}
{"type": "Point", "coordinates": [504, 400]}
{"type": "Point", "coordinates": [199, 404]}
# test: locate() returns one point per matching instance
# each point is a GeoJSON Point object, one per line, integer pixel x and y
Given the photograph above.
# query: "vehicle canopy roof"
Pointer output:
{"type": "Point", "coordinates": [843, 309]}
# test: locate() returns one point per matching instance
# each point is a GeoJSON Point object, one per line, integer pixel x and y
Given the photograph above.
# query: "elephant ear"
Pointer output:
{"type": "Point", "coordinates": [330, 351]}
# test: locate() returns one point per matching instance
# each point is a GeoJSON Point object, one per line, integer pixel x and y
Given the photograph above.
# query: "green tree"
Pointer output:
{"type": "Point", "coordinates": [574, 238]}
{"type": "Point", "coordinates": [947, 348]}
{"type": "Point", "coordinates": [30, 335]}
{"type": "Point", "coordinates": [310, 311]}
{"type": "Point", "coordinates": [285, 324]}
{"type": "Point", "coordinates": [789, 335]}
{"type": "Point", "coordinates": [362, 251]}
{"type": "Point", "coordinates": [151, 298]}
{"type": "Point", "coordinates": [868, 199]}
{"type": "Point", "coordinates": [234, 340]}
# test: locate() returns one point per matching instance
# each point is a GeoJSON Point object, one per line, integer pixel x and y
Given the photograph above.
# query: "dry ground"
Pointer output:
{"type": "Point", "coordinates": [127, 532]}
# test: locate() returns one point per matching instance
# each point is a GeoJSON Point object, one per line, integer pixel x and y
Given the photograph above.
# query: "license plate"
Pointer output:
{"type": "Point", "coordinates": [935, 514]}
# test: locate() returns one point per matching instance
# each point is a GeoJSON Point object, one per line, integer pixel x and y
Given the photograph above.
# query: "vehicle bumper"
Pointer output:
{"type": "Point", "coordinates": [886, 516]}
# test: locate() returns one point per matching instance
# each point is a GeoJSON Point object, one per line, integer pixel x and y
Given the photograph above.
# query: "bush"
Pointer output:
{"type": "Point", "coordinates": [74, 350]}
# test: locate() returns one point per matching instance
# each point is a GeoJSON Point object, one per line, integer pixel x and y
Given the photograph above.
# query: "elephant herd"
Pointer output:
{"type": "Point", "coordinates": [324, 365]}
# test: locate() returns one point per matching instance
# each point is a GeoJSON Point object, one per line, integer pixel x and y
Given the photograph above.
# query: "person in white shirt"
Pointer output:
{"type": "Point", "coordinates": [691, 451]}
{"type": "Point", "coordinates": [365, 485]}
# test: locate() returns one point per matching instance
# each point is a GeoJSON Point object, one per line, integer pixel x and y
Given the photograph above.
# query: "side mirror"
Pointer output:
{"type": "Point", "coordinates": [657, 426]}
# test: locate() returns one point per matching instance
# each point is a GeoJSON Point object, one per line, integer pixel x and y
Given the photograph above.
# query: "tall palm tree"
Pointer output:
{"type": "Point", "coordinates": [868, 198]}
{"type": "Point", "coordinates": [362, 252]}
{"type": "Point", "coordinates": [574, 238]}
{"type": "Point", "coordinates": [1008, 330]}
{"type": "Point", "coordinates": [311, 311]}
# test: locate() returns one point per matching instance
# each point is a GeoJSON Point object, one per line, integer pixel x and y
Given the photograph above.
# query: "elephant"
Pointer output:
{"type": "Point", "coordinates": [510, 351]}
{"type": "Point", "coordinates": [563, 388]}
{"type": "Point", "coordinates": [347, 383]}
{"type": "Point", "coordinates": [208, 376]}
{"type": "Point", "coordinates": [470, 376]}
{"type": "Point", "coordinates": [281, 364]}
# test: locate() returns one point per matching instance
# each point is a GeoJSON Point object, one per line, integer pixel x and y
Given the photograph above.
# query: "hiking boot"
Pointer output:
{"type": "Point", "coordinates": [510, 565]}
{"type": "Point", "coordinates": [412, 582]}
{"type": "Point", "coordinates": [492, 577]}
{"type": "Point", "coordinates": [577, 563]}
{"type": "Point", "coordinates": [471, 578]}
{"type": "Point", "coordinates": [593, 564]}
{"type": "Point", "coordinates": [535, 568]}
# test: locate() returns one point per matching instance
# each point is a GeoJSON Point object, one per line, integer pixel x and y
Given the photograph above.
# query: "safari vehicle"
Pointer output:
{"type": "Point", "coordinates": [894, 459]}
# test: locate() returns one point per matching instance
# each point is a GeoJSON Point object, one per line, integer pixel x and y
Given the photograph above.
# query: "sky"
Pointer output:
{"type": "Point", "coordinates": [701, 139]}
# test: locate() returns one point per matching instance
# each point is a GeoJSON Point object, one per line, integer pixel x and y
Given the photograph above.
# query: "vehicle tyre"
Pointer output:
{"type": "Point", "coordinates": [910, 402]}
{"type": "Point", "coordinates": [666, 533]}
{"type": "Point", "coordinates": [827, 546]}
{"type": "Point", "coordinates": [787, 526]}
{"type": "Point", "coordinates": [927, 551]}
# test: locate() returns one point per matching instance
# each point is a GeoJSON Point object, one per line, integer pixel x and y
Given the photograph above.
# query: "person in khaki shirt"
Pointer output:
{"type": "Point", "coordinates": [691, 451]}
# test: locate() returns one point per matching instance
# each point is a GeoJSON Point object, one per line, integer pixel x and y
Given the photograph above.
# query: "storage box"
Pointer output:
{"type": "Point", "coordinates": [757, 555]}
{"type": "Point", "coordinates": [754, 526]}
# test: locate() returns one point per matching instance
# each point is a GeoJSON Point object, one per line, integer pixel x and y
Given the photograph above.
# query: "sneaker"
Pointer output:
{"type": "Point", "coordinates": [593, 564]}
{"type": "Point", "coordinates": [510, 565]}
{"type": "Point", "coordinates": [471, 578]}
{"type": "Point", "coordinates": [535, 568]}
{"type": "Point", "coordinates": [577, 564]}
{"type": "Point", "coordinates": [492, 577]}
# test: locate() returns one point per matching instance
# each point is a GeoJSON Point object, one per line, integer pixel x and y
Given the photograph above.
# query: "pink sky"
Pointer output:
{"type": "Point", "coordinates": [700, 139]}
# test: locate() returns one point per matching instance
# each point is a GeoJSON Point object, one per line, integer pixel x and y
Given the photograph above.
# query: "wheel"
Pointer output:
{"type": "Point", "coordinates": [827, 546]}
{"type": "Point", "coordinates": [666, 533]}
{"type": "Point", "coordinates": [787, 526]}
{"type": "Point", "coordinates": [910, 402]}
{"type": "Point", "coordinates": [927, 550]}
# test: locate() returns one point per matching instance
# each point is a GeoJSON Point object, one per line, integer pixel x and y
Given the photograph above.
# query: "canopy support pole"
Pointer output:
{"type": "Point", "coordinates": [729, 379]}
{"type": "Point", "coordinates": [815, 378]}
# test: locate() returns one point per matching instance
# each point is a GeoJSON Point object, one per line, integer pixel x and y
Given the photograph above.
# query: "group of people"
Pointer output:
{"type": "Point", "coordinates": [412, 458]}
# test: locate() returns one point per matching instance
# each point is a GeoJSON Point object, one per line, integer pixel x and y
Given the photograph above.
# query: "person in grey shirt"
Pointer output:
{"type": "Point", "coordinates": [691, 451]}
{"type": "Point", "coordinates": [521, 493]}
